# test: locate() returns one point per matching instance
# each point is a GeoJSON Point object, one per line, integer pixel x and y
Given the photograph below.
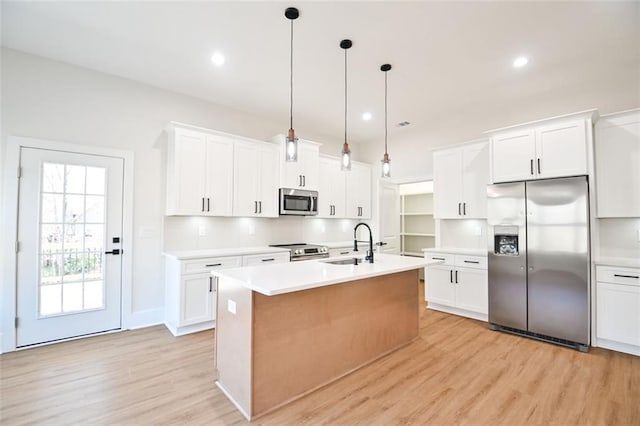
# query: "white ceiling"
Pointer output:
{"type": "Point", "coordinates": [446, 56]}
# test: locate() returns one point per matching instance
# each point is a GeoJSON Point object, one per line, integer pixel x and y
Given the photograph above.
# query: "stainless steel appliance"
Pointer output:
{"type": "Point", "coordinates": [538, 259]}
{"type": "Point", "coordinates": [302, 251]}
{"type": "Point", "coordinates": [298, 202]}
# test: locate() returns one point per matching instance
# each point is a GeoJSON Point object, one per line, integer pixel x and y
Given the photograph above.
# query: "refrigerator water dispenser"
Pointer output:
{"type": "Point", "coordinates": [506, 240]}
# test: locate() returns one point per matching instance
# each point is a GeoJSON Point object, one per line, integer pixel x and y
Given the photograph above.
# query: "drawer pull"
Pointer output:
{"type": "Point", "coordinates": [626, 276]}
{"type": "Point", "coordinates": [471, 261]}
{"type": "Point", "coordinates": [437, 258]}
{"type": "Point", "coordinates": [213, 264]}
{"type": "Point", "coordinates": [269, 259]}
{"type": "Point", "coordinates": [344, 252]}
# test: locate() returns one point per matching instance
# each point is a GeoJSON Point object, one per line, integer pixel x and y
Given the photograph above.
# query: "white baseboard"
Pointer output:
{"type": "Point", "coordinates": [457, 311]}
{"type": "Point", "coordinates": [620, 347]}
{"type": "Point", "coordinates": [146, 318]}
{"type": "Point", "coordinates": [194, 328]}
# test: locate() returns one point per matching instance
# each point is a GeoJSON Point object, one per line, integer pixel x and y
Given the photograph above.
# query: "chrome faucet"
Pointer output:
{"type": "Point", "coordinates": [369, 256]}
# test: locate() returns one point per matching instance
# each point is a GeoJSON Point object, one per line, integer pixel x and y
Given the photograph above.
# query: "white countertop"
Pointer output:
{"type": "Point", "coordinates": [240, 251]}
{"type": "Point", "coordinates": [281, 278]}
{"type": "Point", "coordinates": [626, 262]}
{"type": "Point", "coordinates": [457, 250]}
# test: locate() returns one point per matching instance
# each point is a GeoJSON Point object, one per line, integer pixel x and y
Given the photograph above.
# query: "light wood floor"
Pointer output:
{"type": "Point", "coordinates": [457, 372]}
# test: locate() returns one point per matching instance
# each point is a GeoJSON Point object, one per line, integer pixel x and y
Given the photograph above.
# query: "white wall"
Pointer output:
{"type": "Point", "coordinates": [55, 101]}
{"type": "Point", "coordinates": [619, 237]}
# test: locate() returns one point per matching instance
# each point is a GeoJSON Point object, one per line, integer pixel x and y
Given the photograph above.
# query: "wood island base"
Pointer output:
{"type": "Point", "coordinates": [275, 349]}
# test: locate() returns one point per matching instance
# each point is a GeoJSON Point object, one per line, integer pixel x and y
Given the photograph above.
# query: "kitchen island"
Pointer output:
{"type": "Point", "coordinates": [285, 330]}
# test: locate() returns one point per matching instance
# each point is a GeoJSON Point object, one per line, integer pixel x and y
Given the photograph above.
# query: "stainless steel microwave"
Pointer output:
{"type": "Point", "coordinates": [298, 202]}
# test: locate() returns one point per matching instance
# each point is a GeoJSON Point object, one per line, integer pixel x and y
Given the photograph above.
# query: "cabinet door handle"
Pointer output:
{"type": "Point", "coordinates": [202, 204]}
{"type": "Point", "coordinates": [459, 209]}
{"type": "Point", "coordinates": [626, 276]}
{"type": "Point", "coordinates": [464, 209]}
{"type": "Point", "coordinates": [304, 180]}
{"type": "Point", "coordinates": [208, 204]}
{"type": "Point", "coordinates": [299, 180]}
{"type": "Point", "coordinates": [437, 258]}
{"type": "Point", "coordinates": [532, 167]}
{"type": "Point", "coordinates": [255, 207]}
{"type": "Point", "coordinates": [471, 261]}
{"type": "Point", "coordinates": [210, 284]}
{"type": "Point", "coordinates": [456, 277]}
{"type": "Point", "coordinates": [259, 206]}
{"type": "Point", "coordinates": [451, 276]}
{"type": "Point", "coordinates": [539, 171]}
{"type": "Point", "coordinates": [271, 259]}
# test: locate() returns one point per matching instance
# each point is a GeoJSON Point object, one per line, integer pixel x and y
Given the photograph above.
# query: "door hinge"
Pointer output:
{"type": "Point", "coordinates": [17, 246]}
{"type": "Point", "coordinates": [16, 322]}
{"type": "Point", "coordinates": [19, 172]}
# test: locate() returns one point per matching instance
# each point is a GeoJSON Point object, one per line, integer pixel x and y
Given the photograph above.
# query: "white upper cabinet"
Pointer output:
{"type": "Point", "coordinates": [199, 173]}
{"type": "Point", "coordinates": [545, 149]}
{"type": "Point", "coordinates": [618, 164]}
{"type": "Point", "coordinates": [255, 171]}
{"type": "Point", "coordinates": [358, 191]}
{"type": "Point", "coordinates": [332, 189]}
{"type": "Point", "coordinates": [460, 177]}
{"type": "Point", "coordinates": [301, 174]}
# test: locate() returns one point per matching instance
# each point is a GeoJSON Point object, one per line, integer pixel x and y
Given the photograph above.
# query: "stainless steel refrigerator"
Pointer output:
{"type": "Point", "coordinates": [538, 259]}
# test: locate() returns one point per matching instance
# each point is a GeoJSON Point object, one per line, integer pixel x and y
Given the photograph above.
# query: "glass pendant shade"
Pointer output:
{"type": "Point", "coordinates": [386, 166]}
{"type": "Point", "coordinates": [291, 143]}
{"type": "Point", "coordinates": [345, 163]}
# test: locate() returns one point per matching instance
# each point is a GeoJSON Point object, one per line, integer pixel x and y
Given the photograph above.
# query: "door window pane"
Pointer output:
{"type": "Point", "coordinates": [93, 295]}
{"type": "Point", "coordinates": [52, 177]}
{"type": "Point", "coordinates": [95, 180]}
{"type": "Point", "coordinates": [51, 238]}
{"type": "Point", "coordinates": [50, 268]}
{"type": "Point", "coordinates": [72, 297]}
{"type": "Point", "coordinates": [50, 299]}
{"type": "Point", "coordinates": [74, 179]}
{"type": "Point", "coordinates": [95, 209]}
{"type": "Point", "coordinates": [51, 208]}
{"type": "Point", "coordinates": [74, 208]}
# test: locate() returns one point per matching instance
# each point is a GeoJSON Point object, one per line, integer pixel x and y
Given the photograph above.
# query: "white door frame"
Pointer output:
{"type": "Point", "coordinates": [10, 227]}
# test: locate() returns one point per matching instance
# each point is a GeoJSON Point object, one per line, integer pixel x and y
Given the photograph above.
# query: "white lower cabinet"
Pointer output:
{"type": "Point", "coordinates": [618, 309]}
{"type": "Point", "coordinates": [191, 290]}
{"type": "Point", "coordinates": [458, 285]}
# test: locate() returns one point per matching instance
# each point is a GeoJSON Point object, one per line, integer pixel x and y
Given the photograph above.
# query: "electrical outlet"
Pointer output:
{"type": "Point", "coordinates": [231, 306]}
{"type": "Point", "coordinates": [478, 231]}
{"type": "Point", "coordinates": [202, 231]}
{"type": "Point", "coordinates": [252, 229]}
{"type": "Point", "coordinates": [639, 235]}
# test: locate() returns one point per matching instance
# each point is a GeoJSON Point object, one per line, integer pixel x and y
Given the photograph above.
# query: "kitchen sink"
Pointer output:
{"type": "Point", "coordinates": [349, 261]}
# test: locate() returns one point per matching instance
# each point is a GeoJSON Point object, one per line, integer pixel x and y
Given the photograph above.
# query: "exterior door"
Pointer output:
{"type": "Point", "coordinates": [389, 214]}
{"type": "Point", "coordinates": [70, 214]}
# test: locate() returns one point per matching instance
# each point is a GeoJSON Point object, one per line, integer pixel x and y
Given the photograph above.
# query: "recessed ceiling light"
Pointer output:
{"type": "Point", "coordinates": [520, 62]}
{"type": "Point", "coordinates": [218, 59]}
{"type": "Point", "coordinates": [366, 116]}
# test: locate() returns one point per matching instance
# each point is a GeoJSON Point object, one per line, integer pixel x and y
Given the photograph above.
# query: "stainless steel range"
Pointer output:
{"type": "Point", "coordinates": [301, 251]}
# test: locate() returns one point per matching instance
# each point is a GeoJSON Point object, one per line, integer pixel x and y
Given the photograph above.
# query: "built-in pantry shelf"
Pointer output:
{"type": "Point", "coordinates": [417, 224]}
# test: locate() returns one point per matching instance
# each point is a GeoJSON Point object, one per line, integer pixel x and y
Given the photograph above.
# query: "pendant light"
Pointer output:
{"type": "Point", "coordinates": [291, 142]}
{"type": "Point", "coordinates": [345, 155]}
{"type": "Point", "coordinates": [386, 161]}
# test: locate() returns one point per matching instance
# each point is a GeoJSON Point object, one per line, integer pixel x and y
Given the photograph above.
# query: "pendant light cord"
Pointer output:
{"type": "Point", "coordinates": [345, 95]}
{"type": "Point", "coordinates": [291, 82]}
{"type": "Point", "coordinates": [385, 113]}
